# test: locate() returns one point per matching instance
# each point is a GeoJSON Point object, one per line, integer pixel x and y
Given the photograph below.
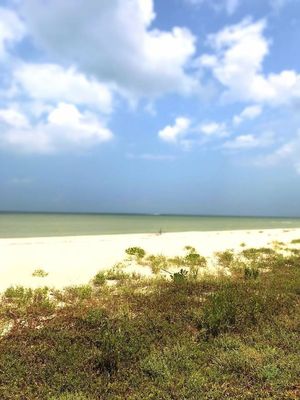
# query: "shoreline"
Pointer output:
{"type": "Point", "coordinates": [75, 260]}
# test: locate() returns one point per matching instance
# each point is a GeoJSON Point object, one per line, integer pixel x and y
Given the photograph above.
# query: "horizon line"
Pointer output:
{"type": "Point", "coordinates": [147, 214]}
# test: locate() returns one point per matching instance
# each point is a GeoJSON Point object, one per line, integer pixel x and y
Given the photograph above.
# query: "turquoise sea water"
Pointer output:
{"type": "Point", "coordinates": [39, 225]}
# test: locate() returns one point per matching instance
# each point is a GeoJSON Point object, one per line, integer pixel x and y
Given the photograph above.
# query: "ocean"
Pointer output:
{"type": "Point", "coordinates": [18, 225]}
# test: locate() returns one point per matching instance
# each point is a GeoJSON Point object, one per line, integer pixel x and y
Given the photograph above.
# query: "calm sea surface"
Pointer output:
{"type": "Point", "coordinates": [38, 225]}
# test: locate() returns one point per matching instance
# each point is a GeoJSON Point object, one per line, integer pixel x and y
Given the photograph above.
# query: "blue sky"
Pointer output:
{"type": "Point", "coordinates": [164, 106]}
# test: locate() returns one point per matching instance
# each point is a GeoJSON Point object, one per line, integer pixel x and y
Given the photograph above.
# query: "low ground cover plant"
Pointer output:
{"type": "Point", "coordinates": [208, 337]}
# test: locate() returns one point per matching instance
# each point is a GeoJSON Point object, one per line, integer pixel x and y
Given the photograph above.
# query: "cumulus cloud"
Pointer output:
{"type": "Point", "coordinates": [64, 127]}
{"type": "Point", "coordinates": [12, 30]}
{"type": "Point", "coordinates": [237, 63]}
{"type": "Point", "coordinates": [249, 113]}
{"type": "Point", "coordinates": [172, 133]}
{"type": "Point", "coordinates": [13, 117]}
{"type": "Point", "coordinates": [213, 129]}
{"type": "Point", "coordinates": [51, 82]}
{"type": "Point", "coordinates": [113, 41]}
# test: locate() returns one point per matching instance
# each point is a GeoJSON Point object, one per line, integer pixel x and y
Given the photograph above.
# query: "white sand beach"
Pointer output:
{"type": "Point", "coordinates": [75, 260]}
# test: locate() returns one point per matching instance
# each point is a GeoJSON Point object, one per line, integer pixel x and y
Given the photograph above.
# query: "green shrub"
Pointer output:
{"type": "Point", "coordinates": [81, 292]}
{"type": "Point", "coordinates": [136, 252]}
{"type": "Point", "coordinates": [235, 307]}
{"type": "Point", "coordinates": [190, 249]}
{"type": "Point", "coordinates": [225, 259]}
{"type": "Point", "coordinates": [195, 260]}
{"type": "Point", "coordinates": [39, 273]}
{"type": "Point", "coordinates": [180, 277]}
{"type": "Point", "coordinates": [157, 263]}
{"type": "Point", "coordinates": [295, 241]}
{"type": "Point", "coordinates": [99, 279]}
{"type": "Point", "coordinates": [26, 299]}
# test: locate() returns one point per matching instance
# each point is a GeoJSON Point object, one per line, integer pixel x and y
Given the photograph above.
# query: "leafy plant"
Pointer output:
{"type": "Point", "coordinates": [295, 241]}
{"type": "Point", "coordinates": [157, 263]}
{"type": "Point", "coordinates": [225, 258]}
{"type": "Point", "coordinates": [39, 273]}
{"type": "Point", "coordinates": [99, 279]}
{"type": "Point", "coordinates": [136, 252]}
{"type": "Point", "coordinates": [180, 277]}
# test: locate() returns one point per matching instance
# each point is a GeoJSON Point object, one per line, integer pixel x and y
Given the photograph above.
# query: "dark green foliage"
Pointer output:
{"type": "Point", "coordinates": [180, 277]}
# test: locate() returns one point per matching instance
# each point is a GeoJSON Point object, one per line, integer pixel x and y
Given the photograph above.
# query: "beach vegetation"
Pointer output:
{"type": "Point", "coordinates": [39, 273]}
{"type": "Point", "coordinates": [99, 279]}
{"type": "Point", "coordinates": [214, 337]}
{"type": "Point", "coordinates": [157, 263]}
{"type": "Point", "coordinates": [77, 293]}
{"type": "Point", "coordinates": [295, 241]}
{"type": "Point", "coordinates": [137, 252]}
{"type": "Point", "coordinates": [225, 259]}
{"type": "Point", "coordinates": [117, 273]}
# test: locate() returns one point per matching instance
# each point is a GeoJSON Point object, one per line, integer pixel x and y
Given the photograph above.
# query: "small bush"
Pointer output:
{"type": "Point", "coordinates": [157, 263]}
{"type": "Point", "coordinates": [234, 308]}
{"type": "Point", "coordinates": [195, 260]}
{"type": "Point", "coordinates": [225, 259]}
{"type": "Point", "coordinates": [25, 298]}
{"type": "Point", "coordinates": [99, 279]}
{"type": "Point", "coordinates": [116, 273]}
{"type": "Point", "coordinates": [136, 252]}
{"type": "Point", "coordinates": [180, 277]}
{"type": "Point", "coordinates": [39, 273]}
{"type": "Point", "coordinates": [190, 249]}
{"type": "Point", "coordinates": [81, 292]}
{"type": "Point", "coordinates": [295, 241]}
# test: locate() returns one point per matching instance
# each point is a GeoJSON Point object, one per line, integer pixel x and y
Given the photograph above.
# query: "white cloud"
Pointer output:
{"type": "Point", "coordinates": [248, 113]}
{"type": "Point", "coordinates": [64, 127]}
{"type": "Point", "coordinates": [114, 42]}
{"type": "Point", "coordinates": [213, 128]}
{"type": "Point", "coordinates": [12, 30]}
{"type": "Point", "coordinates": [52, 83]}
{"type": "Point", "coordinates": [237, 63]}
{"type": "Point", "coordinates": [230, 6]}
{"type": "Point", "coordinates": [172, 133]}
{"type": "Point", "coordinates": [13, 117]}
{"type": "Point", "coordinates": [243, 142]}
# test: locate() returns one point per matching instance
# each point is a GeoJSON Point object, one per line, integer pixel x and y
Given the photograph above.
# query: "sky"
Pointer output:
{"type": "Point", "coordinates": [150, 106]}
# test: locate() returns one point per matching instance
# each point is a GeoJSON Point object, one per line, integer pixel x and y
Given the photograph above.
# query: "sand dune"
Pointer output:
{"type": "Point", "coordinates": [75, 260]}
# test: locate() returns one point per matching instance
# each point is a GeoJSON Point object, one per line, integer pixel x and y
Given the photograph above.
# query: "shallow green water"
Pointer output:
{"type": "Point", "coordinates": [38, 225]}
